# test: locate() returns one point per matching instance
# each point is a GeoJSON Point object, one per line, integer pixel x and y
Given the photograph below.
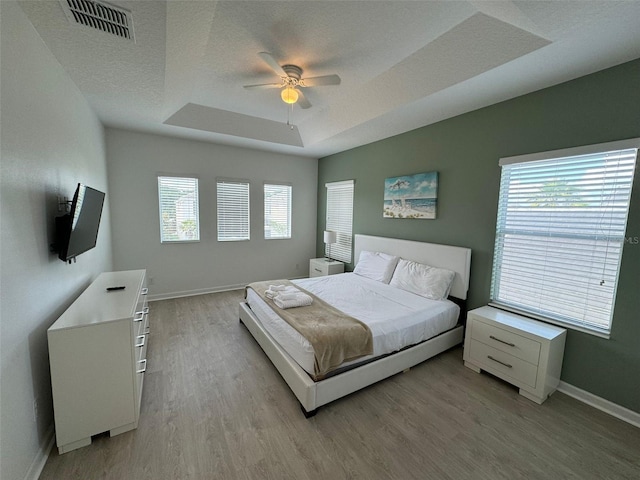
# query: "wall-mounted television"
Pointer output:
{"type": "Point", "coordinates": [77, 231]}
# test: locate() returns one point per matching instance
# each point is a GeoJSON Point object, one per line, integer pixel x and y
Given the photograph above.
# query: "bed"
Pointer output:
{"type": "Point", "coordinates": [408, 342]}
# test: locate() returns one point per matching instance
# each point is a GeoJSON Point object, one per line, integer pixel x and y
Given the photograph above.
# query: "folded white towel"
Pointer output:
{"type": "Point", "coordinates": [301, 300]}
{"type": "Point", "coordinates": [284, 296]}
{"type": "Point", "coordinates": [274, 290]}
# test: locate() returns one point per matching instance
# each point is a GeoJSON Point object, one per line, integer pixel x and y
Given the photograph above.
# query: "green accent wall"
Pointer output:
{"type": "Point", "coordinates": [601, 107]}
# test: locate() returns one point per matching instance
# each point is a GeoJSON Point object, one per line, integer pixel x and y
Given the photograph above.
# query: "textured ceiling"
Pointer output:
{"type": "Point", "coordinates": [402, 64]}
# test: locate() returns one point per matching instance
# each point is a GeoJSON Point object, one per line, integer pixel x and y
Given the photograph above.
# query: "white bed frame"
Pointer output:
{"type": "Point", "coordinates": [312, 394]}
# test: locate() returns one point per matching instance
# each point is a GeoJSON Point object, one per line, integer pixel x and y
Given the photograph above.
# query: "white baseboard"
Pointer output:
{"type": "Point", "coordinates": [41, 458]}
{"type": "Point", "coordinates": [192, 293]}
{"type": "Point", "coordinates": [600, 403]}
{"type": "Point", "coordinates": [200, 291]}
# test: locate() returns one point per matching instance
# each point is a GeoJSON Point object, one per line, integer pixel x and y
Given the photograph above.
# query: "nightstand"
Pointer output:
{"type": "Point", "coordinates": [320, 267]}
{"type": "Point", "coordinates": [519, 350]}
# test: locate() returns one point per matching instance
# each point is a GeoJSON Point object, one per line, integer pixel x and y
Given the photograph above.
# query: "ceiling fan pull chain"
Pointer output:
{"type": "Point", "coordinates": [289, 115]}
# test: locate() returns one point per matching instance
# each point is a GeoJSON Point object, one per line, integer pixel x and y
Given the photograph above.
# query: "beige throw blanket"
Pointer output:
{"type": "Point", "coordinates": [335, 336]}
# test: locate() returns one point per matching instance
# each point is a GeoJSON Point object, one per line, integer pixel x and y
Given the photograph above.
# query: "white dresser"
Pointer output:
{"type": "Point", "coordinates": [521, 351]}
{"type": "Point", "coordinates": [320, 267]}
{"type": "Point", "coordinates": [97, 354]}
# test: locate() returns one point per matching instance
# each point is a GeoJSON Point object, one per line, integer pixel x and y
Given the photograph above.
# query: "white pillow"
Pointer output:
{"type": "Point", "coordinates": [376, 266]}
{"type": "Point", "coordinates": [430, 282]}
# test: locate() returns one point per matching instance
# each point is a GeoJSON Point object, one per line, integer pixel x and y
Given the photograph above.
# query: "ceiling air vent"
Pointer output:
{"type": "Point", "coordinates": [100, 15]}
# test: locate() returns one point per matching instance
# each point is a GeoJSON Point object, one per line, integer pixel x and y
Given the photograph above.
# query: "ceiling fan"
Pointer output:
{"type": "Point", "coordinates": [291, 81]}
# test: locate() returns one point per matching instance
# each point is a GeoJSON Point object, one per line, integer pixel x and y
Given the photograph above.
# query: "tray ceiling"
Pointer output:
{"type": "Point", "coordinates": [403, 64]}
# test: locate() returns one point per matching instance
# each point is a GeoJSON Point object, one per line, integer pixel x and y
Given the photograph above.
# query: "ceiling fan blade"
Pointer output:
{"type": "Point", "coordinates": [275, 66]}
{"type": "Point", "coordinates": [302, 100]}
{"type": "Point", "coordinates": [319, 81]}
{"type": "Point", "coordinates": [263, 85]}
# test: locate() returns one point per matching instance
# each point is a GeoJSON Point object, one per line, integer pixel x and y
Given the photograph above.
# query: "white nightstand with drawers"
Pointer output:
{"type": "Point", "coordinates": [320, 267]}
{"type": "Point", "coordinates": [519, 350]}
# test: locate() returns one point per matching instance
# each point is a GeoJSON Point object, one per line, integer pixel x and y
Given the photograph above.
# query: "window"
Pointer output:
{"type": "Point", "coordinates": [277, 211]}
{"type": "Point", "coordinates": [233, 210]}
{"type": "Point", "coordinates": [179, 216]}
{"type": "Point", "coordinates": [340, 218]}
{"type": "Point", "coordinates": [560, 232]}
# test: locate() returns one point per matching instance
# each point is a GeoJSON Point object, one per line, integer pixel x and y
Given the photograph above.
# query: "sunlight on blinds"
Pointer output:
{"type": "Point", "coordinates": [179, 211]}
{"type": "Point", "coordinates": [560, 234]}
{"type": "Point", "coordinates": [233, 210]}
{"type": "Point", "coordinates": [277, 211]}
{"type": "Point", "coordinates": [340, 218]}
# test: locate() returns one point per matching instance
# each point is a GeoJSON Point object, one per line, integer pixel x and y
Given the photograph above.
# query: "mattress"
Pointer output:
{"type": "Point", "coordinates": [397, 318]}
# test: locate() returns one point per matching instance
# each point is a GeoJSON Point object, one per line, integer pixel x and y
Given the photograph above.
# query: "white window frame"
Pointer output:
{"type": "Point", "coordinates": [233, 208]}
{"type": "Point", "coordinates": [167, 204]}
{"type": "Point", "coordinates": [273, 218]}
{"type": "Point", "coordinates": [559, 260]}
{"type": "Point", "coordinates": [339, 219]}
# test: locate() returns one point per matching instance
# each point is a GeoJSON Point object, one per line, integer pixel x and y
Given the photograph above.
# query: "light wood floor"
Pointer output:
{"type": "Point", "coordinates": [214, 407]}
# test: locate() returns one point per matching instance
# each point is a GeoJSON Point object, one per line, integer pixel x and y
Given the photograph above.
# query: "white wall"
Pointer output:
{"type": "Point", "coordinates": [51, 140]}
{"type": "Point", "coordinates": [136, 159]}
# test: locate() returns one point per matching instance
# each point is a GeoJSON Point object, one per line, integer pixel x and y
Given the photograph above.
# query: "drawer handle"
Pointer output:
{"type": "Point", "coordinates": [501, 363]}
{"type": "Point", "coordinates": [141, 339]}
{"type": "Point", "coordinates": [143, 369]}
{"type": "Point", "coordinates": [144, 291]}
{"type": "Point", "coordinates": [318, 270]}
{"type": "Point", "coordinates": [142, 313]}
{"type": "Point", "coordinates": [501, 341]}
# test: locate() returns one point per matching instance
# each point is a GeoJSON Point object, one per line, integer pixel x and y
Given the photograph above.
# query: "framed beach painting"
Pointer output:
{"type": "Point", "coordinates": [411, 196]}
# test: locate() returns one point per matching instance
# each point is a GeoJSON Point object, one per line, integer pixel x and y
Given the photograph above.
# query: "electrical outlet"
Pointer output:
{"type": "Point", "coordinates": [35, 410]}
{"type": "Point", "coordinates": [297, 266]}
{"type": "Point", "coordinates": [150, 281]}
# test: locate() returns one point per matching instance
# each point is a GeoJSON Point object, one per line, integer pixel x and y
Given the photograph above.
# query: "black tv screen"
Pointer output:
{"type": "Point", "coordinates": [77, 231]}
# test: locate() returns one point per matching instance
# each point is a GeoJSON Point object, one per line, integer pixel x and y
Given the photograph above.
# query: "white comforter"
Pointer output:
{"type": "Point", "coordinates": [396, 318]}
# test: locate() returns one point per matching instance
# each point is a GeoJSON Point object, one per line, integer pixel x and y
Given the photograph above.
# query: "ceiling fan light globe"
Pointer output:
{"type": "Point", "coordinates": [289, 95]}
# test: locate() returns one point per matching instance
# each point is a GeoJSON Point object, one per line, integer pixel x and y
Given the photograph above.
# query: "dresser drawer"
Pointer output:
{"type": "Point", "coordinates": [141, 322]}
{"type": "Point", "coordinates": [502, 364]}
{"type": "Point", "coordinates": [505, 341]}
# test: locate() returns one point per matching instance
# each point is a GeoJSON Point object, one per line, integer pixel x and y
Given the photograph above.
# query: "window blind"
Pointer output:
{"type": "Point", "coordinates": [340, 218]}
{"type": "Point", "coordinates": [233, 210]}
{"type": "Point", "coordinates": [277, 211]}
{"type": "Point", "coordinates": [560, 234]}
{"type": "Point", "coordinates": [179, 211]}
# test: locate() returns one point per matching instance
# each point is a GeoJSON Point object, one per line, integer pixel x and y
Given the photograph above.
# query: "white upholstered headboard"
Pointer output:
{"type": "Point", "coordinates": [457, 259]}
